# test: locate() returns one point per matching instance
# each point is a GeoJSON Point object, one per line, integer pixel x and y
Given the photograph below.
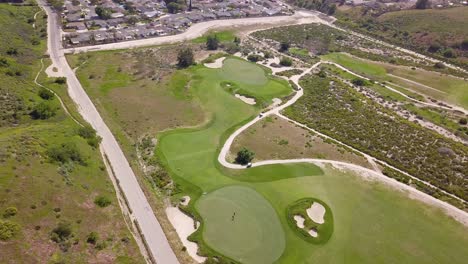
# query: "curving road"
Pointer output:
{"type": "Point", "coordinates": [198, 29]}
{"type": "Point", "coordinates": [151, 230]}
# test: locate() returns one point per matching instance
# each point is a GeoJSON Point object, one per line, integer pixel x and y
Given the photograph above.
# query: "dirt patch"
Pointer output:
{"type": "Point", "coordinates": [276, 138]}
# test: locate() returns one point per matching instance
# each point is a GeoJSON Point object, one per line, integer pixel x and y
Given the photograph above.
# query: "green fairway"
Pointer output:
{"type": "Point", "coordinates": [372, 223]}
{"type": "Point", "coordinates": [242, 224]}
{"type": "Point", "coordinates": [363, 212]}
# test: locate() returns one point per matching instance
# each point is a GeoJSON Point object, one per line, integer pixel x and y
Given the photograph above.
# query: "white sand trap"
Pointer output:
{"type": "Point", "coordinates": [313, 233]}
{"type": "Point", "coordinates": [245, 99]}
{"type": "Point", "coordinates": [185, 200]}
{"type": "Point", "coordinates": [218, 63]}
{"type": "Point", "coordinates": [299, 221]}
{"type": "Point", "coordinates": [184, 227]}
{"type": "Point", "coordinates": [316, 212]}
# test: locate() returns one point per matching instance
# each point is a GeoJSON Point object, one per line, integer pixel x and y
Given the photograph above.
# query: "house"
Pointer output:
{"type": "Point", "coordinates": [78, 26]}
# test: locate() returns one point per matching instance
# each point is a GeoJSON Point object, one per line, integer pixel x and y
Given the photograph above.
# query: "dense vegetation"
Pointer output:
{"type": "Point", "coordinates": [441, 33]}
{"type": "Point", "coordinates": [343, 113]}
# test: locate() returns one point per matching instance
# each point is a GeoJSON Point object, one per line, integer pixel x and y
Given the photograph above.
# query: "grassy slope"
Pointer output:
{"type": "Point", "coordinates": [32, 184]}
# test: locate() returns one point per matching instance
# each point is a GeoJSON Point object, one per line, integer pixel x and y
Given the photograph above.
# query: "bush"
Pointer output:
{"type": "Point", "coordinates": [463, 121]}
{"type": "Point", "coordinates": [92, 238]}
{"type": "Point", "coordinates": [254, 57]}
{"type": "Point", "coordinates": [185, 58]}
{"type": "Point", "coordinates": [61, 233]}
{"type": "Point", "coordinates": [449, 53]}
{"type": "Point", "coordinates": [285, 61]}
{"type": "Point", "coordinates": [88, 133]}
{"type": "Point", "coordinates": [65, 152]}
{"type": "Point", "coordinates": [102, 201]}
{"type": "Point", "coordinates": [358, 82]}
{"type": "Point", "coordinates": [244, 156]}
{"type": "Point", "coordinates": [212, 42]}
{"type": "Point", "coordinates": [45, 94]}
{"type": "Point", "coordinates": [439, 65]}
{"type": "Point", "coordinates": [42, 111]}
{"type": "Point", "coordinates": [284, 46]}
{"type": "Point", "coordinates": [61, 80]}
{"type": "Point", "coordinates": [10, 211]}
{"type": "Point", "coordinates": [8, 229]}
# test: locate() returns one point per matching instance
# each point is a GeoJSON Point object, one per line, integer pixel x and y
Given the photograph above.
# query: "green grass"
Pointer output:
{"type": "Point", "coordinates": [363, 211]}
{"type": "Point", "coordinates": [223, 36]}
{"type": "Point", "coordinates": [242, 225]}
{"type": "Point", "coordinates": [324, 230]}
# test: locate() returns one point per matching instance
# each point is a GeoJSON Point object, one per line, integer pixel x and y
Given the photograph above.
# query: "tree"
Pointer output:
{"type": "Point", "coordinates": [185, 57]}
{"type": "Point", "coordinates": [173, 7]}
{"type": "Point", "coordinates": [254, 57]}
{"type": "Point", "coordinates": [284, 46]}
{"type": "Point", "coordinates": [42, 111]}
{"type": "Point", "coordinates": [423, 4]}
{"type": "Point", "coordinates": [285, 61]}
{"type": "Point", "coordinates": [244, 156]}
{"type": "Point", "coordinates": [65, 152]}
{"type": "Point", "coordinates": [61, 80]}
{"type": "Point", "coordinates": [103, 12]}
{"type": "Point", "coordinates": [212, 42]}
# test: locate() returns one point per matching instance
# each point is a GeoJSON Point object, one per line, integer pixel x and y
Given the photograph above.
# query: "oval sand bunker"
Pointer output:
{"type": "Point", "coordinates": [316, 212]}
{"type": "Point", "coordinates": [218, 63]}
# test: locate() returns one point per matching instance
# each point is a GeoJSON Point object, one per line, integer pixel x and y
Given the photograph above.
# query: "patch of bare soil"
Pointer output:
{"type": "Point", "coordinates": [276, 138]}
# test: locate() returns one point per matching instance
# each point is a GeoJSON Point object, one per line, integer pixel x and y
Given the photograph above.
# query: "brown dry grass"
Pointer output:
{"type": "Point", "coordinates": [276, 138]}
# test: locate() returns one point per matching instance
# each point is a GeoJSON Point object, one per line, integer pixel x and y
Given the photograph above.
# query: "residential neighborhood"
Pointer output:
{"type": "Point", "coordinates": [89, 22]}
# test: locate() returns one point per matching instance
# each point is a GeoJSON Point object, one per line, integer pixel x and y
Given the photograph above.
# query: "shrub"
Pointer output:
{"type": "Point", "coordinates": [8, 229]}
{"type": "Point", "coordinates": [102, 201]}
{"type": "Point", "coordinates": [86, 132]}
{"type": "Point", "coordinates": [254, 57]}
{"type": "Point", "coordinates": [101, 245]}
{"type": "Point", "coordinates": [185, 58]}
{"type": "Point", "coordinates": [65, 152]}
{"type": "Point", "coordinates": [284, 46]}
{"type": "Point", "coordinates": [449, 53]}
{"type": "Point", "coordinates": [45, 94]}
{"type": "Point", "coordinates": [62, 232]}
{"type": "Point", "coordinates": [212, 42]}
{"type": "Point", "coordinates": [463, 121]}
{"type": "Point", "coordinates": [61, 80]}
{"type": "Point", "coordinates": [285, 61]}
{"type": "Point", "coordinates": [439, 65]}
{"type": "Point", "coordinates": [92, 238]}
{"type": "Point", "coordinates": [358, 82]}
{"type": "Point", "coordinates": [42, 111]}
{"type": "Point", "coordinates": [10, 211]}
{"type": "Point", "coordinates": [244, 156]}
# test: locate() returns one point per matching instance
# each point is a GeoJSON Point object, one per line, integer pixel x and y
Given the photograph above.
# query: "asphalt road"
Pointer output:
{"type": "Point", "coordinates": [153, 234]}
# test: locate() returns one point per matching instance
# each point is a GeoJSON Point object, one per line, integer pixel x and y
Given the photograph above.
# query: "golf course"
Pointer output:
{"type": "Point", "coordinates": [243, 213]}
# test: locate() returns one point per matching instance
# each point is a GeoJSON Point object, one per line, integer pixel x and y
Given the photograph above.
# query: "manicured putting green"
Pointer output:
{"type": "Point", "coordinates": [243, 72]}
{"type": "Point", "coordinates": [242, 225]}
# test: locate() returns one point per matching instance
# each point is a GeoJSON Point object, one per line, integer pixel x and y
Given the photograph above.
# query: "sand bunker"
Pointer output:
{"type": "Point", "coordinates": [184, 227]}
{"type": "Point", "coordinates": [299, 221]}
{"type": "Point", "coordinates": [245, 99]}
{"type": "Point", "coordinates": [313, 233]}
{"type": "Point", "coordinates": [316, 212]}
{"type": "Point", "coordinates": [218, 63]}
{"type": "Point", "coordinates": [185, 200]}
